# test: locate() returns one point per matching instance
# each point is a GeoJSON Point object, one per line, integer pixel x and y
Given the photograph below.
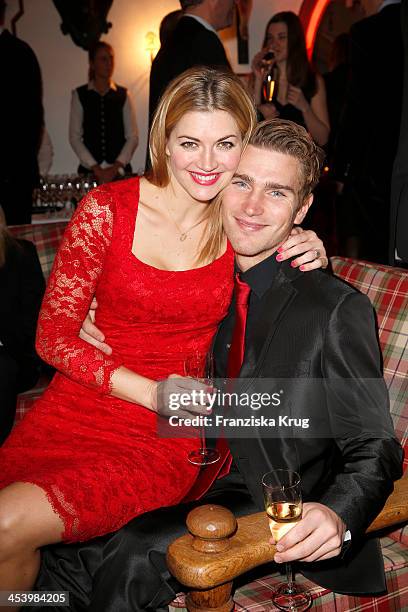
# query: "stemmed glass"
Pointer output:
{"type": "Point", "coordinates": [283, 504]}
{"type": "Point", "coordinates": [201, 367]}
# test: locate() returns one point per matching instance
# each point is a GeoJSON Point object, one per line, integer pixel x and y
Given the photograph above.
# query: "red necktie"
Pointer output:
{"type": "Point", "coordinates": [235, 359]}
{"type": "Point", "coordinates": [237, 350]}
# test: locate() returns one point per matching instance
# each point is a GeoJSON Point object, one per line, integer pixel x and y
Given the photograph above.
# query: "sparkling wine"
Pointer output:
{"type": "Point", "coordinates": [282, 517]}
{"type": "Point", "coordinates": [269, 88]}
{"type": "Point", "coordinates": [284, 512]}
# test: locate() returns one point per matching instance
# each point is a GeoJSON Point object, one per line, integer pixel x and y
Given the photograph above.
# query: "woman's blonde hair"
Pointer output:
{"type": "Point", "coordinates": [199, 89]}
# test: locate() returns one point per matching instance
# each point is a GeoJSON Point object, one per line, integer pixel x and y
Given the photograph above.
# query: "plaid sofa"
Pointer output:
{"type": "Point", "coordinates": [46, 237]}
{"type": "Point", "coordinates": [387, 289]}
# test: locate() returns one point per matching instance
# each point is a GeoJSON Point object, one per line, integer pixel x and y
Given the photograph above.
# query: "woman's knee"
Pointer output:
{"type": "Point", "coordinates": [11, 535]}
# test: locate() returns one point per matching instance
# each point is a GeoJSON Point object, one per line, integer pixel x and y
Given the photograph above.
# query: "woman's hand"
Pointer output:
{"type": "Point", "coordinates": [307, 244]}
{"type": "Point", "coordinates": [181, 396]}
{"type": "Point", "coordinates": [296, 97]}
{"type": "Point", "coordinates": [257, 63]}
{"type": "Point", "coordinates": [268, 110]}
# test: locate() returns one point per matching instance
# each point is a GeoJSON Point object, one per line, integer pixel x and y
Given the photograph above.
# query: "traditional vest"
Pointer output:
{"type": "Point", "coordinates": [104, 133]}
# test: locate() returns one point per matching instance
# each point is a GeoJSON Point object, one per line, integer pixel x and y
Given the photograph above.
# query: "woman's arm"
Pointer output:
{"type": "Point", "coordinates": [315, 114]}
{"type": "Point", "coordinates": [77, 269]}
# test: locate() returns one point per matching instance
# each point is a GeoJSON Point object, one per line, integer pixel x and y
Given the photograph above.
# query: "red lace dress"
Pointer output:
{"type": "Point", "coordinates": [98, 458]}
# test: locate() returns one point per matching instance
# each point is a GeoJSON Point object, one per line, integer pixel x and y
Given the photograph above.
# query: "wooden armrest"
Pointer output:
{"type": "Point", "coordinates": [395, 510]}
{"type": "Point", "coordinates": [220, 548]}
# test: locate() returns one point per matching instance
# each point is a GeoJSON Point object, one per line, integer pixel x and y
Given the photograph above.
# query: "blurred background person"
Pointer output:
{"type": "Point", "coordinates": [102, 125]}
{"type": "Point", "coordinates": [21, 114]}
{"type": "Point", "coordinates": [168, 25]}
{"type": "Point", "coordinates": [22, 287]}
{"type": "Point", "coordinates": [368, 136]}
{"type": "Point", "coordinates": [398, 247]}
{"type": "Point", "coordinates": [194, 42]}
{"type": "Point", "coordinates": [337, 81]}
{"type": "Point", "coordinates": [299, 93]}
{"type": "Point", "coordinates": [45, 154]}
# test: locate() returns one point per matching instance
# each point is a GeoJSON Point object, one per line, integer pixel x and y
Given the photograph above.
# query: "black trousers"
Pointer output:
{"type": "Point", "coordinates": [127, 571]}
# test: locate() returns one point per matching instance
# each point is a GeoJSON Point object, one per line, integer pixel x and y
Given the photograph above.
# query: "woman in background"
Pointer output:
{"type": "Point", "coordinates": [102, 124]}
{"type": "Point", "coordinates": [21, 289]}
{"type": "Point", "coordinates": [300, 94]}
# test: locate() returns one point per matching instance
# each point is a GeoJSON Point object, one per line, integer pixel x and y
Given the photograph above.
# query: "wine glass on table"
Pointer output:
{"type": "Point", "coordinates": [283, 504]}
{"type": "Point", "coordinates": [201, 367]}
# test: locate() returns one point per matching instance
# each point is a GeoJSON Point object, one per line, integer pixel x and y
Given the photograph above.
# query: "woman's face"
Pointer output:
{"type": "Point", "coordinates": [102, 64]}
{"type": "Point", "coordinates": [277, 40]}
{"type": "Point", "coordinates": [203, 152]}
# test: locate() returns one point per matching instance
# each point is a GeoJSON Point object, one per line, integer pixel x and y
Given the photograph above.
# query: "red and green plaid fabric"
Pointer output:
{"type": "Point", "coordinates": [387, 289]}
{"type": "Point", "coordinates": [256, 597]}
{"type": "Point", "coordinates": [46, 237]}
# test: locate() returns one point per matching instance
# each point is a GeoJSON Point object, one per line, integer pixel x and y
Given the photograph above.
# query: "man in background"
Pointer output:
{"type": "Point", "coordinates": [194, 42]}
{"type": "Point", "coordinates": [21, 114]}
{"type": "Point", "coordinates": [368, 136]}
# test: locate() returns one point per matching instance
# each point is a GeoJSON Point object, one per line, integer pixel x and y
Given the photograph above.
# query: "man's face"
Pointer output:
{"type": "Point", "coordinates": [222, 13]}
{"type": "Point", "coordinates": [261, 204]}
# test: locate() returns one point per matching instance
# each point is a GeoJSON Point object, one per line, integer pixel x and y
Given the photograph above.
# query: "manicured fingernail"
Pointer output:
{"type": "Point", "coordinates": [293, 264]}
{"type": "Point", "coordinates": [280, 249]}
{"type": "Point", "coordinates": [302, 268]}
{"type": "Point", "coordinates": [277, 559]}
{"type": "Point", "coordinates": [279, 257]}
{"type": "Point", "coordinates": [280, 547]}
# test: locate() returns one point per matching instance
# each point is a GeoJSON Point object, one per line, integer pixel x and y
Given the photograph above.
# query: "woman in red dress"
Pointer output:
{"type": "Point", "coordinates": [87, 458]}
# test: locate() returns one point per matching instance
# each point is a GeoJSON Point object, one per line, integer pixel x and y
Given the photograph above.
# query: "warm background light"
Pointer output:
{"type": "Point", "coordinates": [65, 66]}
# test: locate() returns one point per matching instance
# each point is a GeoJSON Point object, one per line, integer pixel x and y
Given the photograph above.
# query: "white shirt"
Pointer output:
{"type": "Point", "coordinates": [202, 21]}
{"type": "Point", "coordinates": [76, 131]}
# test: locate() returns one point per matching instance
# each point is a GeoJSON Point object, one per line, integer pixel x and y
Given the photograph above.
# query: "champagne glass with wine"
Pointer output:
{"type": "Point", "coordinates": [201, 367]}
{"type": "Point", "coordinates": [283, 504]}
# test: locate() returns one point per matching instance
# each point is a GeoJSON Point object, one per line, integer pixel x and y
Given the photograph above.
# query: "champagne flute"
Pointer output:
{"type": "Point", "coordinates": [201, 367]}
{"type": "Point", "coordinates": [283, 504]}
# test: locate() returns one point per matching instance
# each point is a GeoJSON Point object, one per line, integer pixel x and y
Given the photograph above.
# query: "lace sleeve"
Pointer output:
{"type": "Point", "coordinates": [77, 268]}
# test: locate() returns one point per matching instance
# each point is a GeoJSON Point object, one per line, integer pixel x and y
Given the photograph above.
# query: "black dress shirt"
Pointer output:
{"type": "Point", "coordinates": [260, 278]}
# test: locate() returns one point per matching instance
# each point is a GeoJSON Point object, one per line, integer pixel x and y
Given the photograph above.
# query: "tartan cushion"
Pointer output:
{"type": "Point", "coordinates": [387, 289]}
{"type": "Point", "coordinates": [46, 237]}
{"type": "Point", "coordinates": [256, 597]}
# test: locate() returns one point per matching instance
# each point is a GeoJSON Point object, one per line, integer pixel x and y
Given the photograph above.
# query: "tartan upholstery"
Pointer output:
{"type": "Point", "coordinates": [46, 237]}
{"type": "Point", "coordinates": [387, 289]}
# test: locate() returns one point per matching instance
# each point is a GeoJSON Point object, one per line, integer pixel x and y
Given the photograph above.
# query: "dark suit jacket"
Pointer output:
{"type": "Point", "coordinates": [22, 288]}
{"type": "Point", "coordinates": [190, 45]}
{"type": "Point", "coordinates": [368, 136]}
{"type": "Point", "coordinates": [399, 193]}
{"type": "Point", "coordinates": [21, 110]}
{"type": "Point", "coordinates": [313, 326]}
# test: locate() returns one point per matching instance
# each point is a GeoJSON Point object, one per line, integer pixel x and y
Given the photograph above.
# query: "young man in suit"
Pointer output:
{"type": "Point", "coordinates": [316, 335]}
{"type": "Point", "coordinates": [194, 42]}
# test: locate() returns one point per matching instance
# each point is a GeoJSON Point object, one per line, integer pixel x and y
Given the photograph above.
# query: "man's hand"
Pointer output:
{"type": "Point", "coordinates": [91, 334]}
{"type": "Point", "coordinates": [317, 536]}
